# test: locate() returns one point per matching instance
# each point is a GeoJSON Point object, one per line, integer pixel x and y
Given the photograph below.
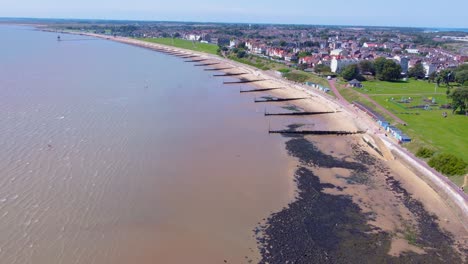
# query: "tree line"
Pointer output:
{"type": "Point", "coordinates": [382, 68]}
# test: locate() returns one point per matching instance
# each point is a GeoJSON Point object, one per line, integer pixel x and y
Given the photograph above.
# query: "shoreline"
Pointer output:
{"type": "Point", "coordinates": [348, 117]}
{"type": "Point", "coordinates": [450, 190]}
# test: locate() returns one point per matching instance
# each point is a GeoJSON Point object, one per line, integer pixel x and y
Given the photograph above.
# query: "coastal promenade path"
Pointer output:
{"type": "Point", "coordinates": [337, 93]}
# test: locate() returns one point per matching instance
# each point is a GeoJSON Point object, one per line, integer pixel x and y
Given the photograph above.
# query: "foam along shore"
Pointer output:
{"type": "Point", "coordinates": [439, 197]}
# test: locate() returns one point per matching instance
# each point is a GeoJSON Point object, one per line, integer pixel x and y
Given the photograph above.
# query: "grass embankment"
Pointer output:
{"type": "Point", "coordinates": [301, 77]}
{"type": "Point", "coordinates": [427, 128]}
{"type": "Point", "coordinates": [257, 62]}
{"type": "Point", "coordinates": [185, 44]}
{"type": "Point", "coordinates": [289, 73]}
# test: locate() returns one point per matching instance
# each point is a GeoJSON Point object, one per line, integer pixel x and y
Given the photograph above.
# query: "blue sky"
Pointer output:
{"type": "Point", "coordinates": [416, 13]}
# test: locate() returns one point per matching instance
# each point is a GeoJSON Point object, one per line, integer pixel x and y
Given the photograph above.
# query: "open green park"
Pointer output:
{"type": "Point", "coordinates": [418, 103]}
{"type": "Point", "coordinates": [184, 44]}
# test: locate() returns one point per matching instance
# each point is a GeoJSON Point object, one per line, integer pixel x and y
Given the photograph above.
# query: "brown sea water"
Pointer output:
{"type": "Point", "coordinates": [111, 153]}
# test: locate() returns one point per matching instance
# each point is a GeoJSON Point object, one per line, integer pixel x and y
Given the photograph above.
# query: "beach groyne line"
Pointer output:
{"type": "Point", "coordinates": [299, 113]}
{"type": "Point", "coordinates": [190, 56]}
{"type": "Point", "coordinates": [200, 60]}
{"type": "Point", "coordinates": [206, 64]}
{"type": "Point", "coordinates": [229, 74]}
{"type": "Point", "coordinates": [218, 69]}
{"type": "Point", "coordinates": [258, 90]}
{"type": "Point", "coordinates": [243, 81]}
{"type": "Point", "coordinates": [265, 100]}
{"type": "Point", "coordinates": [316, 132]}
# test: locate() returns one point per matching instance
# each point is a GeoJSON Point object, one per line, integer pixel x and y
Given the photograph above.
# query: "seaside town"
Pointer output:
{"type": "Point", "coordinates": [307, 47]}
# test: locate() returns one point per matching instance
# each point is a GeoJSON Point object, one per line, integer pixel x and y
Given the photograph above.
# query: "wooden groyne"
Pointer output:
{"type": "Point", "coordinates": [218, 69]}
{"type": "Point", "coordinates": [298, 113]}
{"type": "Point", "coordinates": [258, 90]}
{"type": "Point", "coordinates": [200, 60]}
{"type": "Point", "coordinates": [243, 81]}
{"type": "Point", "coordinates": [264, 100]}
{"type": "Point", "coordinates": [190, 56]}
{"type": "Point", "coordinates": [206, 64]}
{"type": "Point", "coordinates": [316, 132]}
{"type": "Point", "coordinates": [229, 74]}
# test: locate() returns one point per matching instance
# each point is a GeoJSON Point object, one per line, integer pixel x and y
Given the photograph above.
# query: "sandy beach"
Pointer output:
{"type": "Point", "coordinates": [395, 215]}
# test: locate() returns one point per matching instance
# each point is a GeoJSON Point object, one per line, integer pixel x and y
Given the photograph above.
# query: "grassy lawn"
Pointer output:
{"type": "Point", "coordinates": [257, 62]}
{"type": "Point", "coordinates": [185, 44]}
{"type": "Point", "coordinates": [301, 76]}
{"type": "Point", "coordinates": [425, 127]}
{"type": "Point", "coordinates": [428, 127]}
{"type": "Point", "coordinates": [404, 88]}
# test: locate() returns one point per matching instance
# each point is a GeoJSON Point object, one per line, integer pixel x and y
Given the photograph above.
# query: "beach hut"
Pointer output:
{"type": "Point", "coordinates": [383, 123]}
{"type": "Point", "coordinates": [355, 83]}
{"type": "Point", "coordinates": [405, 138]}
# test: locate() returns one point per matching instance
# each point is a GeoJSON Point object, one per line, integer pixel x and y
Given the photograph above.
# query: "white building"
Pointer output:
{"type": "Point", "coordinates": [193, 37]}
{"type": "Point", "coordinates": [412, 51]}
{"type": "Point", "coordinates": [337, 65]}
{"type": "Point", "coordinates": [233, 43]}
{"type": "Point", "coordinates": [404, 63]}
{"type": "Point", "coordinates": [429, 68]}
{"type": "Point", "coordinates": [338, 52]}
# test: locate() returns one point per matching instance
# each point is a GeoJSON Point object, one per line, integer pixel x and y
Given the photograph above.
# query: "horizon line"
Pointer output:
{"type": "Point", "coordinates": [212, 22]}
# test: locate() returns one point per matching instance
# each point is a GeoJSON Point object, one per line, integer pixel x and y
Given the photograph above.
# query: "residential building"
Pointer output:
{"type": "Point", "coordinates": [337, 65]}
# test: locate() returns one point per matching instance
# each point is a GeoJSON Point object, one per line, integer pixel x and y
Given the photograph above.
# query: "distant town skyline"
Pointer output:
{"type": "Point", "coordinates": [399, 13]}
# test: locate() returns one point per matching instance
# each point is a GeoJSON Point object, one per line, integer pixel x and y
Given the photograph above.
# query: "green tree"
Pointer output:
{"type": "Point", "coordinates": [366, 67]}
{"type": "Point", "coordinates": [448, 164]}
{"type": "Point", "coordinates": [362, 41]}
{"type": "Point", "coordinates": [303, 54]}
{"type": "Point", "coordinates": [320, 68]}
{"type": "Point", "coordinates": [459, 98]}
{"type": "Point", "coordinates": [379, 64]}
{"type": "Point", "coordinates": [350, 72]}
{"type": "Point", "coordinates": [241, 54]}
{"type": "Point", "coordinates": [424, 152]}
{"type": "Point", "coordinates": [391, 71]}
{"type": "Point", "coordinates": [447, 76]}
{"type": "Point", "coordinates": [432, 77]}
{"type": "Point", "coordinates": [417, 71]}
{"type": "Point", "coordinates": [461, 76]}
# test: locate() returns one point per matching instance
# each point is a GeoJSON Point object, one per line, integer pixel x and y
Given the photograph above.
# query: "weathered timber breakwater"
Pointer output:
{"type": "Point", "coordinates": [242, 81]}
{"type": "Point", "coordinates": [315, 132]}
{"type": "Point", "coordinates": [259, 90]}
{"type": "Point", "coordinates": [276, 99]}
{"type": "Point", "coordinates": [319, 227]}
{"type": "Point", "coordinates": [205, 64]}
{"type": "Point", "coordinates": [304, 113]}
{"type": "Point", "coordinates": [229, 74]}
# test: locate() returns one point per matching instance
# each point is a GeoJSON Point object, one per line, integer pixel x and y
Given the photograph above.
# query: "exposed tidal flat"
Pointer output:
{"type": "Point", "coordinates": [116, 154]}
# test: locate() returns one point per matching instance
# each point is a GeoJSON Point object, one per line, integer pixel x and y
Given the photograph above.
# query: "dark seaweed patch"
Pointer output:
{"type": "Point", "coordinates": [323, 228]}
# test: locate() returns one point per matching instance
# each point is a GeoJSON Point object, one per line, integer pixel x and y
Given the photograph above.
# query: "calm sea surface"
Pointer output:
{"type": "Point", "coordinates": [115, 154]}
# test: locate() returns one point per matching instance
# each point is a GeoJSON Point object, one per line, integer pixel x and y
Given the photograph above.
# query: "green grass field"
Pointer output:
{"type": "Point", "coordinates": [426, 127]}
{"type": "Point", "coordinates": [404, 88]}
{"type": "Point", "coordinates": [185, 44]}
